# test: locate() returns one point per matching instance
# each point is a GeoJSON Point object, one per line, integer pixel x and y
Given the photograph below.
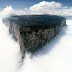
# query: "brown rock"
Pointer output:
{"type": "Point", "coordinates": [34, 31]}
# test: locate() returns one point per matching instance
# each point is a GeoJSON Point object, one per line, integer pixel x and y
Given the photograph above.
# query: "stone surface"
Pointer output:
{"type": "Point", "coordinates": [34, 31]}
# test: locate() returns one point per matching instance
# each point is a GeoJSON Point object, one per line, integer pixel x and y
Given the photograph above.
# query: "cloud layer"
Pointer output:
{"type": "Point", "coordinates": [44, 7]}
{"type": "Point", "coordinates": [52, 7]}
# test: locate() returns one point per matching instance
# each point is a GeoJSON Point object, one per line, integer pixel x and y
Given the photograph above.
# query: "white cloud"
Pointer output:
{"type": "Point", "coordinates": [7, 11]}
{"type": "Point", "coordinates": [45, 5]}
{"type": "Point", "coordinates": [54, 8]}
{"type": "Point", "coordinates": [10, 11]}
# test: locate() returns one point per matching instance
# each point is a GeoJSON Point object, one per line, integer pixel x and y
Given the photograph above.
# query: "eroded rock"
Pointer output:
{"type": "Point", "coordinates": [34, 31]}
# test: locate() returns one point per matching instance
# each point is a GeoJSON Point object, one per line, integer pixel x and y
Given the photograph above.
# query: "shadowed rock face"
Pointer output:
{"type": "Point", "coordinates": [34, 31]}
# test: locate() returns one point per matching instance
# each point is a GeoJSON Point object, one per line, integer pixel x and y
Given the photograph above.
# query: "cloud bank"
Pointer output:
{"type": "Point", "coordinates": [54, 8]}
{"type": "Point", "coordinates": [44, 7]}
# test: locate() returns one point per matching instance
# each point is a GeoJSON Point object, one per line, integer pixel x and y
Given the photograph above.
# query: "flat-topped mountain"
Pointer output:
{"type": "Point", "coordinates": [35, 20]}
{"type": "Point", "coordinates": [34, 31]}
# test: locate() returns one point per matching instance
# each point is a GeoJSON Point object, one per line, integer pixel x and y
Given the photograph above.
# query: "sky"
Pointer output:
{"type": "Point", "coordinates": [20, 4]}
{"type": "Point", "coordinates": [21, 7]}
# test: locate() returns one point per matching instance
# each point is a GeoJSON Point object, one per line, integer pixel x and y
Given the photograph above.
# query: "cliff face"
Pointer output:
{"type": "Point", "coordinates": [34, 31]}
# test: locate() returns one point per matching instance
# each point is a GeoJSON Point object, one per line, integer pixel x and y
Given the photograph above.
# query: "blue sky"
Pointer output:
{"type": "Point", "coordinates": [20, 4]}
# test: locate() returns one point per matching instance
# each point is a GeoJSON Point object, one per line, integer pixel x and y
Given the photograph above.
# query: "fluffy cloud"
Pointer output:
{"type": "Point", "coordinates": [54, 8]}
{"type": "Point", "coordinates": [7, 11]}
{"type": "Point", "coordinates": [10, 11]}
{"type": "Point", "coordinates": [45, 5]}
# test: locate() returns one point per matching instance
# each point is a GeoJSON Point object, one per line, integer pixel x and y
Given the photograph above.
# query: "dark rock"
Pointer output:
{"type": "Point", "coordinates": [34, 31]}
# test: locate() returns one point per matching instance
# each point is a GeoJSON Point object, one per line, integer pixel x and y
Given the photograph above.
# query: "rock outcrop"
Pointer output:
{"type": "Point", "coordinates": [34, 31]}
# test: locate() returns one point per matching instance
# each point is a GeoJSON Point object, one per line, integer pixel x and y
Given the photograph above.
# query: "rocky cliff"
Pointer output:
{"type": "Point", "coordinates": [34, 31]}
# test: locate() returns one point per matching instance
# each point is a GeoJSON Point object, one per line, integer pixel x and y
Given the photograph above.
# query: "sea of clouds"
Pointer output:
{"type": "Point", "coordinates": [56, 56]}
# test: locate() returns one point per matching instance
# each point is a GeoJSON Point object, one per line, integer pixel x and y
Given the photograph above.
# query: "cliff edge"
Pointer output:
{"type": "Point", "coordinates": [34, 31]}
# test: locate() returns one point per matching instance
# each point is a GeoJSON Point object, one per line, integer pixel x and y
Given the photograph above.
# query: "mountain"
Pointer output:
{"type": "Point", "coordinates": [34, 31]}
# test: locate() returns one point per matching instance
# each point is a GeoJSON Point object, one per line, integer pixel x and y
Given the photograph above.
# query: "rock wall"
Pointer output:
{"type": "Point", "coordinates": [33, 37]}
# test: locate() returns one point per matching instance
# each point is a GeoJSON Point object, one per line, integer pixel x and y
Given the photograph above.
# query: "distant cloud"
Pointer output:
{"type": "Point", "coordinates": [44, 7]}
{"type": "Point", "coordinates": [7, 11]}
{"type": "Point", "coordinates": [52, 7]}
{"type": "Point", "coordinates": [10, 11]}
